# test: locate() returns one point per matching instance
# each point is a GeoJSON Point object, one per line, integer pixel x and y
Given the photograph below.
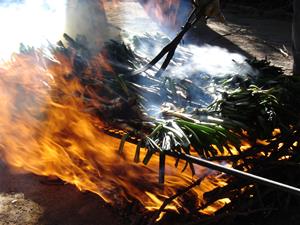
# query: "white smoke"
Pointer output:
{"type": "Point", "coordinates": [190, 59]}
{"type": "Point", "coordinates": [212, 60]}
{"type": "Point", "coordinates": [31, 22]}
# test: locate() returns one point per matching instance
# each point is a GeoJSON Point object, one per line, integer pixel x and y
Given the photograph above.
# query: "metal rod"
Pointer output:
{"type": "Point", "coordinates": [196, 14]}
{"type": "Point", "coordinates": [237, 173]}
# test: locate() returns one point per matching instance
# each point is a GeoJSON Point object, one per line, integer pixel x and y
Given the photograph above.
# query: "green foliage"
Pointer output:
{"type": "Point", "coordinates": [250, 108]}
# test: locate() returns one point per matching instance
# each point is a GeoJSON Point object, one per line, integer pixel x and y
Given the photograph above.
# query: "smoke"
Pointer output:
{"type": "Point", "coordinates": [199, 68]}
{"type": "Point", "coordinates": [87, 19]}
{"type": "Point", "coordinates": [170, 15]}
{"type": "Point", "coordinates": [35, 22]}
{"type": "Point", "coordinates": [212, 60]}
{"type": "Point", "coordinates": [191, 59]}
{"type": "Point", "coordinates": [31, 22]}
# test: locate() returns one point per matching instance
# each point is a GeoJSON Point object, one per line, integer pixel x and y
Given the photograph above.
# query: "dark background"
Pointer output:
{"type": "Point", "coordinates": [283, 6]}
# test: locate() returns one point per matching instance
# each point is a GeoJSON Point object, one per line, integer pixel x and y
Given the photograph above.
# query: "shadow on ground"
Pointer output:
{"type": "Point", "coordinates": [252, 36]}
{"type": "Point", "coordinates": [60, 204]}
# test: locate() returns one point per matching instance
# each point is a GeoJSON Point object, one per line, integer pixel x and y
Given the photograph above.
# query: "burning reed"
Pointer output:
{"type": "Point", "coordinates": [92, 122]}
{"type": "Point", "coordinates": [54, 110]}
{"type": "Point", "coordinates": [62, 112]}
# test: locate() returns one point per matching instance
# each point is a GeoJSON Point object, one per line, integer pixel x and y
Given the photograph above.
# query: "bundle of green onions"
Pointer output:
{"type": "Point", "coordinates": [261, 111]}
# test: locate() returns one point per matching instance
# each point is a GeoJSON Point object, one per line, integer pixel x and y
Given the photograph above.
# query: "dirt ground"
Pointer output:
{"type": "Point", "coordinates": [25, 200]}
{"type": "Point", "coordinates": [257, 37]}
{"type": "Point", "coordinates": [249, 34]}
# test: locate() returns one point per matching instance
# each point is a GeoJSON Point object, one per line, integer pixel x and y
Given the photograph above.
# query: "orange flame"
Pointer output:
{"type": "Point", "coordinates": [164, 11]}
{"type": "Point", "coordinates": [46, 130]}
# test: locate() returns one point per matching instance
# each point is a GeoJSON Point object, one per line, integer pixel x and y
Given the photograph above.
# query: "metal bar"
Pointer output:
{"type": "Point", "coordinates": [237, 173]}
{"type": "Point", "coordinates": [170, 48]}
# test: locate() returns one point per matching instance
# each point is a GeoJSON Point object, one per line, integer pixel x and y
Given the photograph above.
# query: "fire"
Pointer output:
{"type": "Point", "coordinates": [164, 11]}
{"type": "Point", "coordinates": [46, 130]}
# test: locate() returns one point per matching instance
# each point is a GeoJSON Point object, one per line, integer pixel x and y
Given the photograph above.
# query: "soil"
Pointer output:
{"type": "Point", "coordinates": [24, 199]}
{"type": "Point", "coordinates": [257, 37]}
{"type": "Point", "coordinates": [250, 34]}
